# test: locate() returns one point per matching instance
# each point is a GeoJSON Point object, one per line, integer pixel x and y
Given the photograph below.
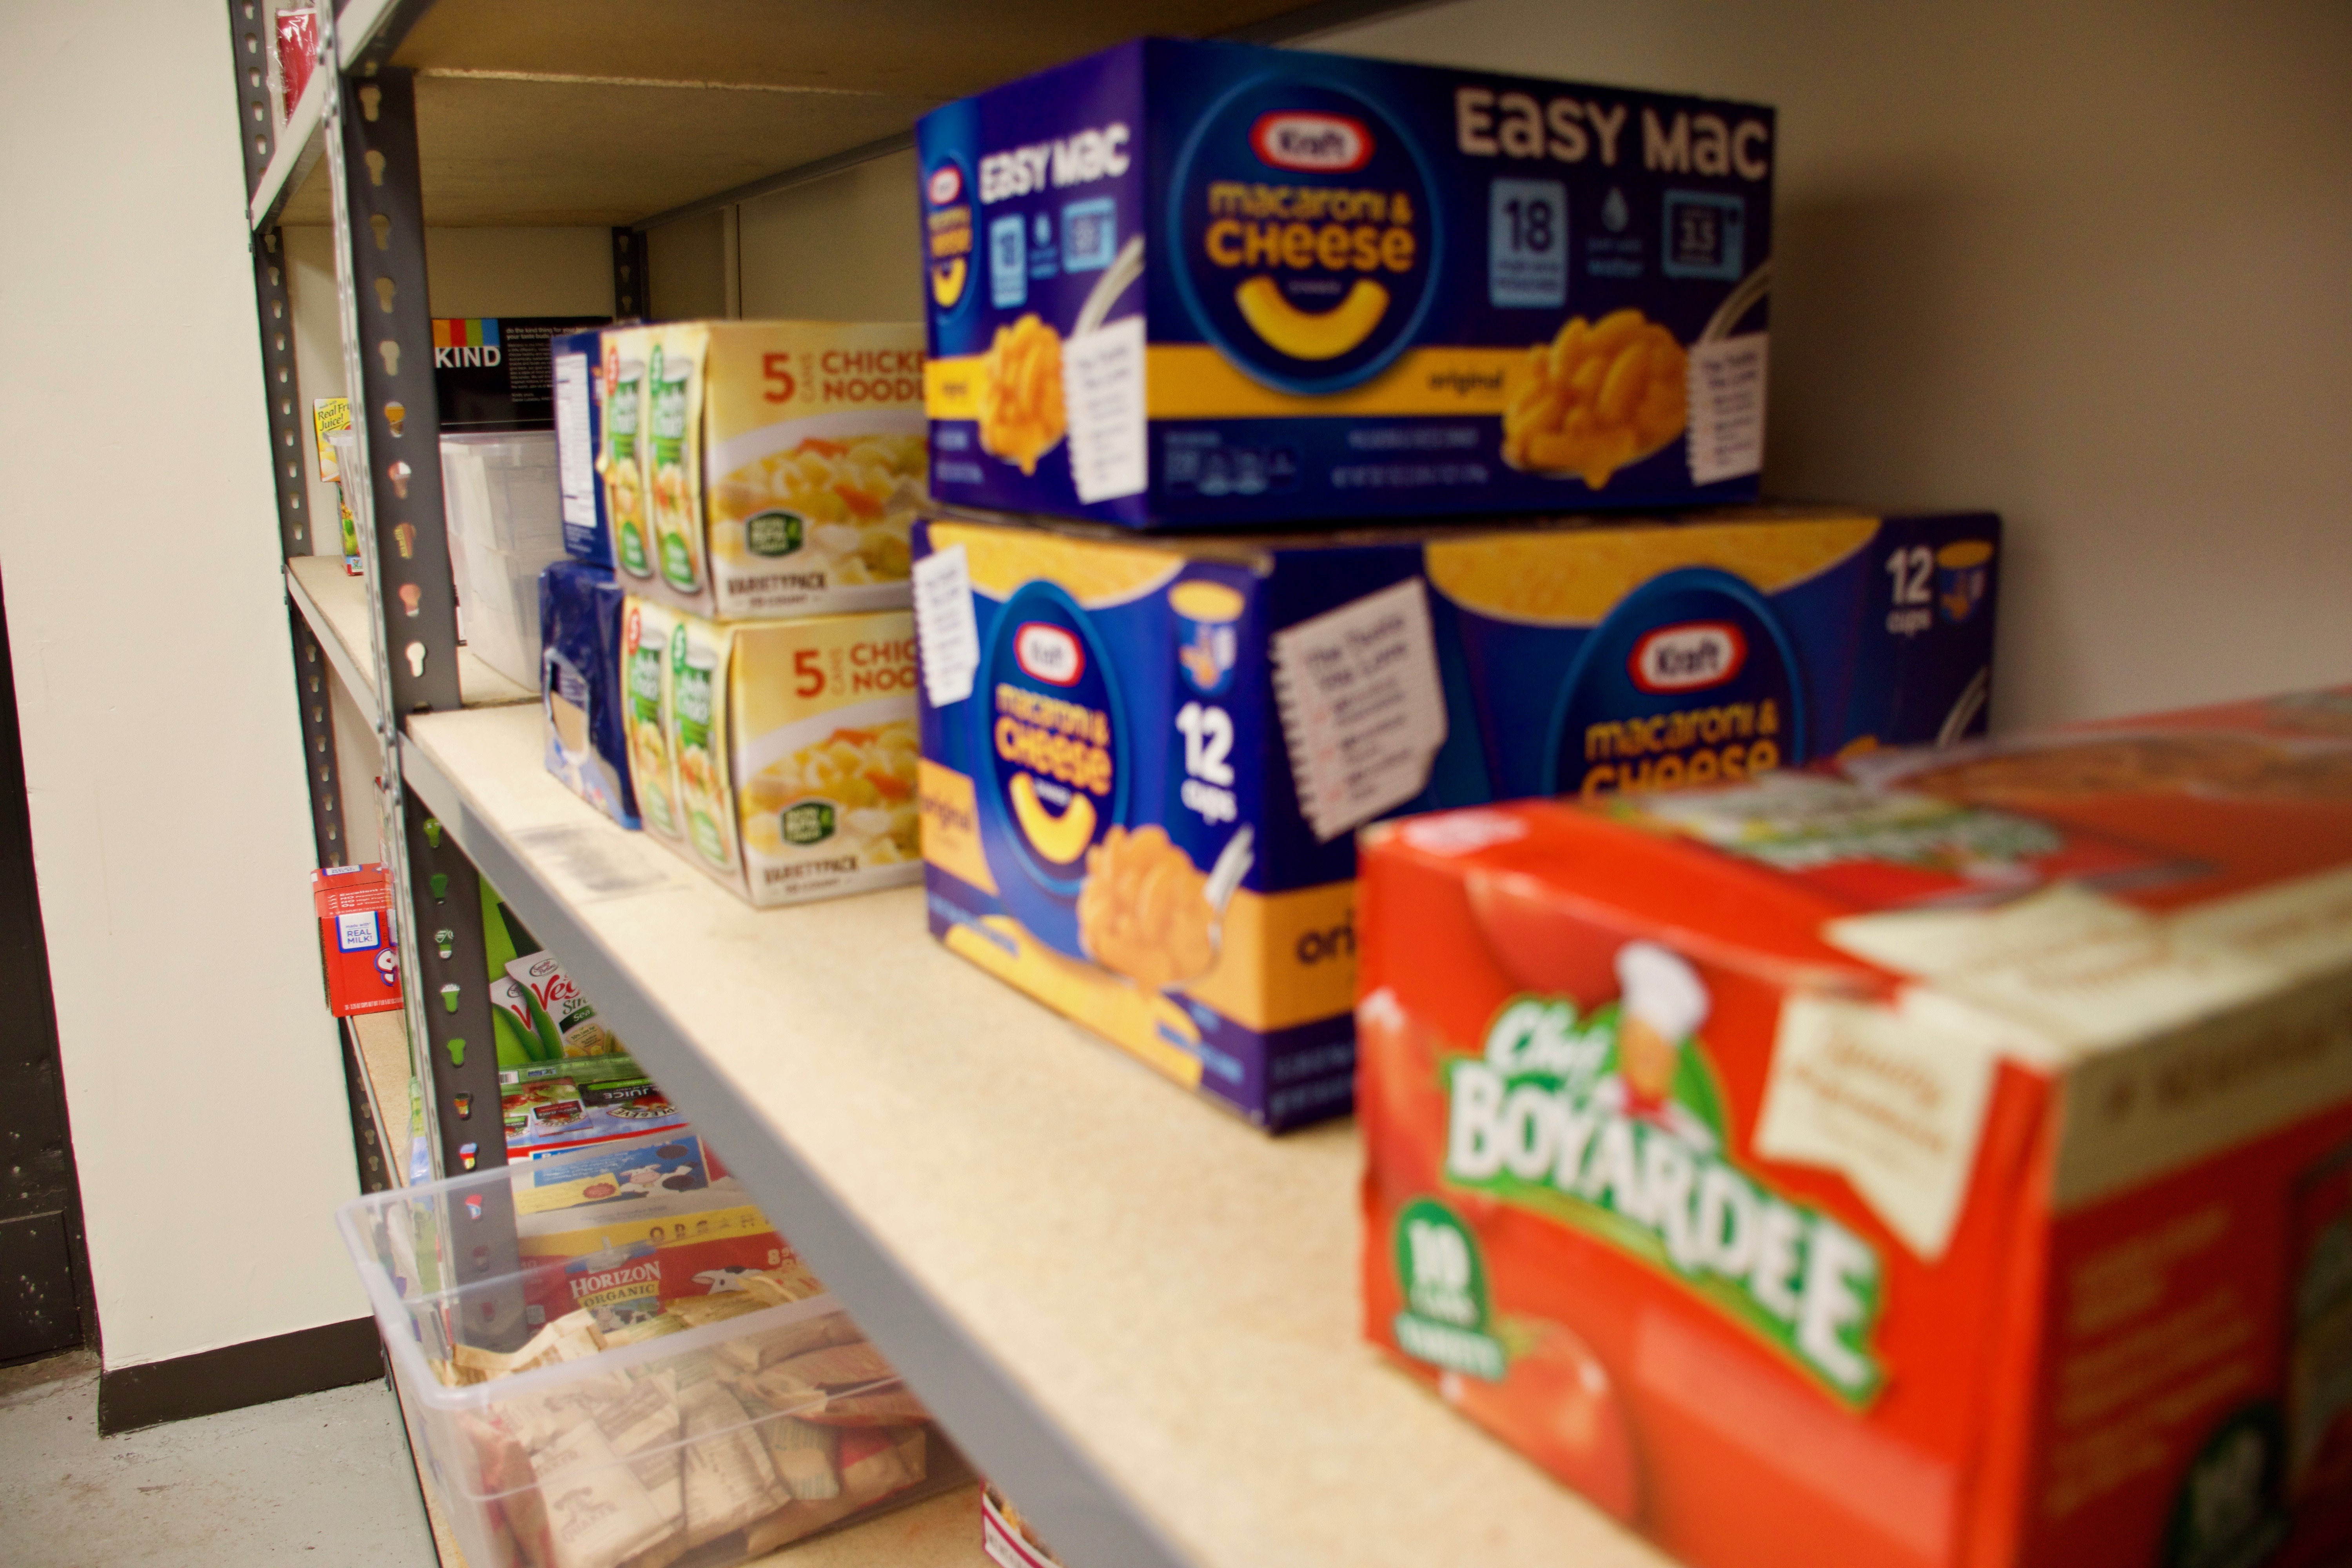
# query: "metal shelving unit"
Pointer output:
{"type": "Point", "coordinates": [1135, 1313]}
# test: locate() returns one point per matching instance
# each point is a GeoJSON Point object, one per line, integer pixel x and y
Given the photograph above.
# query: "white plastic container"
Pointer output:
{"type": "Point", "coordinates": [506, 524]}
{"type": "Point", "coordinates": [725, 1440]}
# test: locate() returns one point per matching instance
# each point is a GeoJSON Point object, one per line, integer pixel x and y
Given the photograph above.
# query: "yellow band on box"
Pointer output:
{"type": "Point", "coordinates": [1193, 380]}
{"type": "Point", "coordinates": [1285, 959]}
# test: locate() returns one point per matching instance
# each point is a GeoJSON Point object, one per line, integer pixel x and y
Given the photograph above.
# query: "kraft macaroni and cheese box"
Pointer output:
{"type": "Point", "coordinates": [776, 465]}
{"type": "Point", "coordinates": [1938, 1159]}
{"type": "Point", "coordinates": [1729, 644]}
{"type": "Point", "coordinates": [579, 692]}
{"type": "Point", "coordinates": [792, 747]}
{"type": "Point", "coordinates": [1197, 285]}
{"type": "Point", "coordinates": [577, 363]}
{"type": "Point", "coordinates": [1143, 759]}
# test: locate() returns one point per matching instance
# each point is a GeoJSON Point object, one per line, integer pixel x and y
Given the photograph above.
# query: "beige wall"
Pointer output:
{"type": "Point", "coordinates": [2089, 264]}
{"type": "Point", "coordinates": [846, 248]}
{"type": "Point", "coordinates": [155, 687]}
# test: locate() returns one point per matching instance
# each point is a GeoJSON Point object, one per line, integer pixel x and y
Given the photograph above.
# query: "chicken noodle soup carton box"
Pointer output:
{"type": "Point", "coordinates": [1940, 1160]}
{"type": "Point", "coordinates": [646, 632]}
{"type": "Point", "coordinates": [793, 753]}
{"type": "Point", "coordinates": [778, 464]}
{"type": "Point", "coordinates": [1143, 760]}
{"type": "Point", "coordinates": [1197, 285]}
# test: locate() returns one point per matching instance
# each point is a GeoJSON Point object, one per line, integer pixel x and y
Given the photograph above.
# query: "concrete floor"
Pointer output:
{"type": "Point", "coordinates": [324, 1479]}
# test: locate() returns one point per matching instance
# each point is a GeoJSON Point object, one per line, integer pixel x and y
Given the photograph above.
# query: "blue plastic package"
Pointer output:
{"type": "Point", "coordinates": [579, 691]}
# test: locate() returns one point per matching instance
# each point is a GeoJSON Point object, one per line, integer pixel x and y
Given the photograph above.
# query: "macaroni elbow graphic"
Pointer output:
{"type": "Point", "coordinates": [1311, 334]}
{"type": "Point", "coordinates": [1059, 839]}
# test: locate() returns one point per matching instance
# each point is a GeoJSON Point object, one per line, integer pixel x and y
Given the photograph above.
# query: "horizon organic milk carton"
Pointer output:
{"type": "Point", "coordinates": [1941, 1159]}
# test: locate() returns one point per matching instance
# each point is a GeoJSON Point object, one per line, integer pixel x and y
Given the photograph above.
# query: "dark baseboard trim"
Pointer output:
{"type": "Point", "coordinates": [333, 1355]}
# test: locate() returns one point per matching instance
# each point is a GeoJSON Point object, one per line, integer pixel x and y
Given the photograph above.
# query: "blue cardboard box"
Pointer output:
{"type": "Point", "coordinates": [1204, 285]}
{"type": "Point", "coordinates": [577, 366]}
{"type": "Point", "coordinates": [579, 686]}
{"type": "Point", "coordinates": [1144, 759]}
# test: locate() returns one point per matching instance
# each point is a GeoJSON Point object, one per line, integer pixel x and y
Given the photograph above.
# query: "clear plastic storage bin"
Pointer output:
{"type": "Point", "coordinates": [506, 524]}
{"type": "Point", "coordinates": [701, 1435]}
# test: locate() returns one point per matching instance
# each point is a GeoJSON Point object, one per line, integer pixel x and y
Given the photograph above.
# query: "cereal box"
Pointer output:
{"type": "Point", "coordinates": [1935, 1158]}
{"type": "Point", "coordinates": [1143, 760]}
{"type": "Point", "coordinates": [1197, 285]}
{"type": "Point", "coordinates": [779, 463]}
{"type": "Point", "coordinates": [792, 749]}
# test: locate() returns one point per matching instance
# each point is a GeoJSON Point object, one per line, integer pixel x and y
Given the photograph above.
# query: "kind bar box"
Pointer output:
{"type": "Point", "coordinates": [577, 362]}
{"type": "Point", "coordinates": [581, 695]}
{"type": "Point", "coordinates": [497, 373]}
{"type": "Point", "coordinates": [1198, 285]}
{"type": "Point", "coordinates": [356, 949]}
{"type": "Point", "coordinates": [777, 464]}
{"type": "Point", "coordinates": [1937, 1161]}
{"type": "Point", "coordinates": [791, 746]}
{"type": "Point", "coordinates": [1143, 762]}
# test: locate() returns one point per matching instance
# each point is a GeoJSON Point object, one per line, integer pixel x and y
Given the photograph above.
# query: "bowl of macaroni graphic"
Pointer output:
{"type": "Point", "coordinates": [853, 792]}
{"type": "Point", "coordinates": [1601, 396]}
{"type": "Point", "coordinates": [843, 504]}
{"type": "Point", "coordinates": [1146, 912]}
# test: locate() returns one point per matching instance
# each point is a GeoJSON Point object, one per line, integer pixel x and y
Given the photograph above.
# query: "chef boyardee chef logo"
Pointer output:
{"type": "Point", "coordinates": [1307, 246]}
{"type": "Point", "coordinates": [1613, 1121]}
{"type": "Point", "coordinates": [1055, 740]}
{"type": "Point", "coordinates": [1690, 680]}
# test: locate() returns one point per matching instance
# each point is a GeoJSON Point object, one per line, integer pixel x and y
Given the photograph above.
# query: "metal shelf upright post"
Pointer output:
{"type": "Point", "coordinates": [366, 129]}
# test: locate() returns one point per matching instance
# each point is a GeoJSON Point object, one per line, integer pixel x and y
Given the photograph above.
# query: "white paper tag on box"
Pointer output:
{"type": "Point", "coordinates": [944, 628]}
{"type": "Point", "coordinates": [1363, 713]}
{"type": "Point", "coordinates": [1726, 408]}
{"type": "Point", "coordinates": [577, 462]}
{"type": "Point", "coordinates": [1892, 1098]}
{"type": "Point", "coordinates": [1102, 389]}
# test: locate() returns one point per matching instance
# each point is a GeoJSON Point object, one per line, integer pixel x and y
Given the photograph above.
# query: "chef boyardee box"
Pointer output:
{"type": "Point", "coordinates": [1204, 284]}
{"type": "Point", "coordinates": [792, 747]}
{"type": "Point", "coordinates": [779, 463]}
{"type": "Point", "coordinates": [1938, 1160]}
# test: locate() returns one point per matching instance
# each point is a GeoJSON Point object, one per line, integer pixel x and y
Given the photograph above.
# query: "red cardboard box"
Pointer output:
{"type": "Point", "coordinates": [356, 944]}
{"type": "Point", "coordinates": [1943, 1162]}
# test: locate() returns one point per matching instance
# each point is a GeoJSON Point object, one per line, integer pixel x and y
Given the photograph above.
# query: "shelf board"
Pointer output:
{"type": "Point", "coordinates": [295, 158]}
{"type": "Point", "coordinates": [1137, 1314]}
{"type": "Point", "coordinates": [335, 602]}
{"type": "Point", "coordinates": [611, 111]}
{"type": "Point", "coordinates": [381, 1042]}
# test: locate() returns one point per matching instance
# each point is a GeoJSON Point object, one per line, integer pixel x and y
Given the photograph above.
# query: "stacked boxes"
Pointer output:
{"type": "Point", "coordinates": [1201, 284]}
{"type": "Point", "coordinates": [758, 481]}
{"type": "Point", "coordinates": [1936, 1160]}
{"type": "Point", "coordinates": [1144, 760]}
{"type": "Point", "coordinates": [763, 468]}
